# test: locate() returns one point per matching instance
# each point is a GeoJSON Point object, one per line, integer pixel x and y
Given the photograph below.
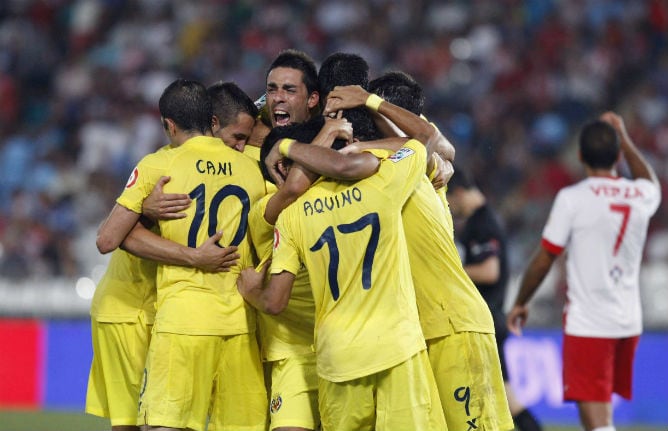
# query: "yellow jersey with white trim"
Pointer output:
{"type": "Point", "coordinates": [223, 184]}
{"type": "Point", "coordinates": [350, 237]}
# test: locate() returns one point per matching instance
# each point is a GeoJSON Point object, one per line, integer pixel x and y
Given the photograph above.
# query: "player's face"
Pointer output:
{"type": "Point", "coordinates": [235, 135]}
{"type": "Point", "coordinates": [288, 99]}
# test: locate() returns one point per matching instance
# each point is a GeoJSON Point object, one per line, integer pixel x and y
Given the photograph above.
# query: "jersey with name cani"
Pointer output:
{"type": "Point", "coordinates": [223, 184]}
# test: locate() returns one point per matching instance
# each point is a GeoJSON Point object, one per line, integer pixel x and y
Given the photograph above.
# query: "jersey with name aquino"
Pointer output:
{"type": "Point", "coordinates": [601, 222]}
{"type": "Point", "coordinates": [349, 235]}
{"type": "Point", "coordinates": [223, 185]}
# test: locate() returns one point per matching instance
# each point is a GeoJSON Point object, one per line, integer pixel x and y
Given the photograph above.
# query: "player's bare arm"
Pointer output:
{"type": "Point", "coordinates": [352, 96]}
{"type": "Point", "coordinates": [115, 228]}
{"type": "Point", "coordinates": [540, 265]}
{"type": "Point", "coordinates": [638, 166]}
{"type": "Point", "coordinates": [274, 297]}
{"type": "Point", "coordinates": [485, 272]}
{"type": "Point", "coordinates": [296, 183]}
{"type": "Point", "coordinates": [208, 257]}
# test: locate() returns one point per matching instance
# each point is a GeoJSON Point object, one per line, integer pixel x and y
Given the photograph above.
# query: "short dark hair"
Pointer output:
{"type": "Point", "coordinates": [343, 68]}
{"type": "Point", "coordinates": [187, 103]}
{"type": "Point", "coordinates": [301, 132]}
{"type": "Point", "coordinates": [400, 89]}
{"type": "Point", "coordinates": [295, 59]}
{"type": "Point", "coordinates": [228, 101]}
{"type": "Point", "coordinates": [599, 145]}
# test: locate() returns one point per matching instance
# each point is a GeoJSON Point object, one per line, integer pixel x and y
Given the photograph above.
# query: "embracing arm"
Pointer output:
{"type": "Point", "coordinates": [208, 257]}
{"type": "Point", "coordinates": [414, 126]}
{"type": "Point", "coordinates": [115, 228]}
{"type": "Point", "coordinates": [271, 300]}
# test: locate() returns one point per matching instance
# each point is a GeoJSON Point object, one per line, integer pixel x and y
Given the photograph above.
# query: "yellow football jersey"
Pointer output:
{"type": "Point", "coordinates": [223, 185]}
{"type": "Point", "coordinates": [127, 287]}
{"type": "Point", "coordinates": [349, 235]}
{"type": "Point", "coordinates": [447, 299]}
{"type": "Point", "coordinates": [291, 332]}
{"type": "Point", "coordinates": [449, 224]}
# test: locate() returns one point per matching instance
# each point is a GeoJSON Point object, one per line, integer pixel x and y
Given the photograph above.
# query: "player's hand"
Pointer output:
{"type": "Point", "coordinates": [251, 279]}
{"type": "Point", "coordinates": [211, 257]}
{"type": "Point", "coordinates": [336, 128]}
{"type": "Point", "coordinates": [353, 148]}
{"type": "Point", "coordinates": [516, 318]}
{"type": "Point", "coordinates": [616, 122]}
{"type": "Point", "coordinates": [346, 97]}
{"type": "Point", "coordinates": [274, 164]}
{"type": "Point", "coordinates": [165, 206]}
{"type": "Point", "coordinates": [443, 173]}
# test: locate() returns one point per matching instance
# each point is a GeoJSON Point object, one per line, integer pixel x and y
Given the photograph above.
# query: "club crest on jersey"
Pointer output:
{"type": "Point", "coordinates": [401, 154]}
{"type": "Point", "coordinates": [133, 178]}
{"type": "Point", "coordinates": [276, 403]}
{"type": "Point", "coordinates": [277, 238]}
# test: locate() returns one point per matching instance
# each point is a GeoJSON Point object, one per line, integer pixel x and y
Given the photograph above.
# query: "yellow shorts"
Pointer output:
{"type": "Point", "coordinates": [192, 377]}
{"type": "Point", "coordinates": [119, 353]}
{"type": "Point", "coordinates": [294, 393]}
{"type": "Point", "coordinates": [403, 397]}
{"type": "Point", "coordinates": [468, 375]}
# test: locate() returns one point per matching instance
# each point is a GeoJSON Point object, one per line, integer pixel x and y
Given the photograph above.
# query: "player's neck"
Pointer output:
{"type": "Point", "coordinates": [604, 173]}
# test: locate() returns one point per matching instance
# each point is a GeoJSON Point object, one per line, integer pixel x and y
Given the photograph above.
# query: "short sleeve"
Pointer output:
{"type": "Point", "coordinates": [557, 230]}
{"type": "Point", "coordinates": [285, 252]}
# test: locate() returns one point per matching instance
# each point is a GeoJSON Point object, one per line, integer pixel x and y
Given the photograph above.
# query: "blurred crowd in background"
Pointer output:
{"type": "Point", "coordinates": [510, 82]}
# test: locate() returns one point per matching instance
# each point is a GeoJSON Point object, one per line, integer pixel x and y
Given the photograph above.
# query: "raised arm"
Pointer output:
{"type": "Point", "coordinates": [414, 126]}
{"type": "Point", "coordinates": [638, 166]}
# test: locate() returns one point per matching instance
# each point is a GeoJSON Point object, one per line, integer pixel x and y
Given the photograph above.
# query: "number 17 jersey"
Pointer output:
{"type": "Point", "coordinates": [350, 237]}
{"type": "Point", "coordinates": [602, 222]}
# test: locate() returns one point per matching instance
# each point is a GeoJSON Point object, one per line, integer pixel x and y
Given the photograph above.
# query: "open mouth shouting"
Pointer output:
{"type": "Point", "coordinates": [281, 118]}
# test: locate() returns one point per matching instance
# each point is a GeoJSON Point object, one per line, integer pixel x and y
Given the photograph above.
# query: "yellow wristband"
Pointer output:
{"type": "Point", "coordinates": [284, 146]}
{"type": "Point", "coordinates": [373, 102]}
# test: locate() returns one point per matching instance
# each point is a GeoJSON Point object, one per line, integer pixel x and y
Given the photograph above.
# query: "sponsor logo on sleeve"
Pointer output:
{"type": "Point", "coordinates": [401, 154]}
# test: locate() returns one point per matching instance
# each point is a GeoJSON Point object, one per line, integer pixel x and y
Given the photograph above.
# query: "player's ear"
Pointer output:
{"type": "Point", "coordinates": [313, 100]}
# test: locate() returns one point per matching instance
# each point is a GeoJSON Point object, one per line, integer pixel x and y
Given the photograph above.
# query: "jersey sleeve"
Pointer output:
{"type": "Point", "coordinates": [141, 182]}
{"type": "Point", "coordinates": [285, 252]}
{"type": "Point", "coordinates": [261, 232]}
{"type": "Point", "coordinates": [557, 231]}
{"type": "Point", "coordinates": [484, 242]}
{"type": "Point", "coordinates": [402, 170]}
{"type": "Point", "coordinates": [651, 193]}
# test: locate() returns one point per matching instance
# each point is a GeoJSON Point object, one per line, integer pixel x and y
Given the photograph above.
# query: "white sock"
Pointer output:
{"type": "Point", "coordinates": [608, 428]}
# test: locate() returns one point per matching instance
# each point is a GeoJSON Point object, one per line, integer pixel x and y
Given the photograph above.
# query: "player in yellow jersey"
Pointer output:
{"type": "Point", "coordinates": [203, 356]}
{"type": "Point", "coordinates": [403, 90]}
{"type": "Point", "coordinates": [287, 338]}
{"type": "Point", "coordinates": [455, 319]}
{"type": "Point", "coordinates": [371, 358]}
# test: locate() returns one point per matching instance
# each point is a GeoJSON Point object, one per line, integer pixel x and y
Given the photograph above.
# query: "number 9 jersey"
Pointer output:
{"type": "Point", "coordinates": [223, 184]}
{"type": "Point", "coordinates": [350, 237]}
{"type": "Point", "coordinates": [602, 222]}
